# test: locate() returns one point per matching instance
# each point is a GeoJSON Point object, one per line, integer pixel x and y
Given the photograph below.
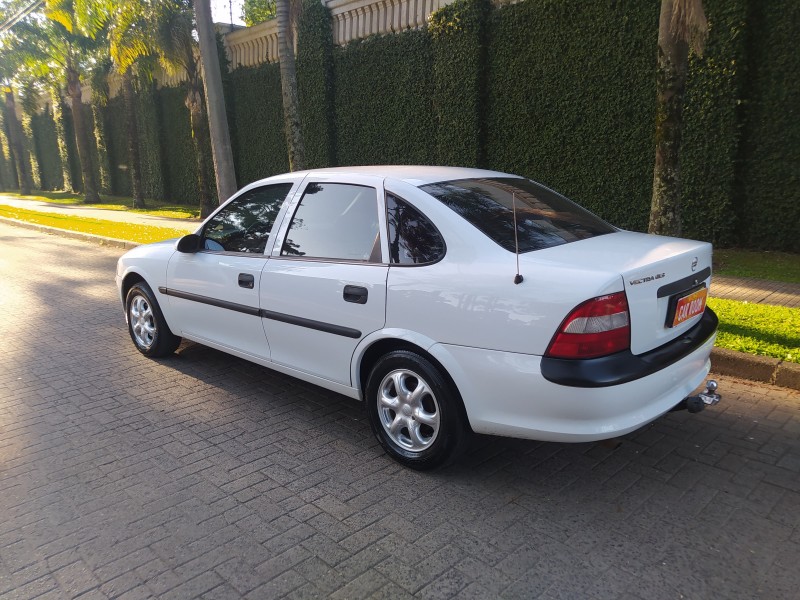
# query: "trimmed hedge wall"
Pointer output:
{"type": "Point", "coordinates": [767, 192]}
{"type": "Point", "coordinates": [149, 124]}
{"type": "Point", "coordinates": [117, 146]}
{"type": "Point", "coordinates": [384, 100]}
{"type": "Point", "coordinates": [45, 146]}
{"type": "Point", "coordinates": [315, 84]}
{"type": "Point", "coordinates": [572, 101]}
{"type": "Point", "coordinates": [458, 33]}
{"type": "Point", "coordinates": [259, 142]}
{"type": "Point", "coordinates": [177, 151]}
{"type": "Point", "coordinates": [711, 126]}
{"type": "Point", "coordinates": [562, 91]}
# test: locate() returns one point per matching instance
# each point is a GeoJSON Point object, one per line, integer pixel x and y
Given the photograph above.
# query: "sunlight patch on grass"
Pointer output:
{"type": "Point", "coordinates": [120, 203]}
{"type": "Point", "coordinates": [760, 329]}
{"type": "Point", "coordinates": [141, 234]}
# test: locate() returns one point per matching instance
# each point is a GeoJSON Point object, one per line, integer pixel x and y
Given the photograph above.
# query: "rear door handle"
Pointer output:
{"type": "Point", "coordinates": [355, 294]}
{"type": "Point", "coordinates": [246, 281]}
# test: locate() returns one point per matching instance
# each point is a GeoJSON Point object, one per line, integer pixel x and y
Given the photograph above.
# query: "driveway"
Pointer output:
{"type": "Point", "coordinates": [206, 476]}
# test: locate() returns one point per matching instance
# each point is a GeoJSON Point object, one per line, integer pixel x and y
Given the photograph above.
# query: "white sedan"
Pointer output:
{"type": "Point", "coordinates": [449, 300]}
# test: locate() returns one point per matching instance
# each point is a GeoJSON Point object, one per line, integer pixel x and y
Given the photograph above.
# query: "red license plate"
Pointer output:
{"type": "Point", "coordinates": [689, 306]}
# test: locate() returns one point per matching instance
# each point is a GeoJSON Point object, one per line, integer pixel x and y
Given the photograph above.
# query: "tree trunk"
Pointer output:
{"type": "Point", "coordinates": [294, 137]}
{"type": "Point", "coordinates": [673, 64]}
{"type": "Point", "coordinates": [199, 123]}
{"type": "Point", "coordinates": [90, 187]}
{"type": "Point", "coordinates": [133, 140]}
{"type": "Point", "coordinates": [18, 145]}
{"type": "Point", "coordinates": [102, 149]}
{"type": "Point", "coordinates": [215, 103]}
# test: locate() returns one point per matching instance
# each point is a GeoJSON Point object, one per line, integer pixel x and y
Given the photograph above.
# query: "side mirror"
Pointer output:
{"type": "Point", "coordinates": [189, 244]}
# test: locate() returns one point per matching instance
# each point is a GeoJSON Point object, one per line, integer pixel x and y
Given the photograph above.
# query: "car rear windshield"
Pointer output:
{"type": "Point", "coordinates": [544, 218]}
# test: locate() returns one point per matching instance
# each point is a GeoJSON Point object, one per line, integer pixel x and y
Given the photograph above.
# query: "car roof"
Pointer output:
{"type": "Point", "coordinates": [416, 175]}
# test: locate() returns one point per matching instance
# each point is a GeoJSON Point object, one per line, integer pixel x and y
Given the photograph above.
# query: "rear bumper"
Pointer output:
{"type": "Point", "coordinates": [507, 394]}
{"type": "Point", "coordinates": [623, 367]}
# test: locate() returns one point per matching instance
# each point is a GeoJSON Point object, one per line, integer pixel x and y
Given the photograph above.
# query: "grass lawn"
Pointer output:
{"type": "Point", "coordinates": [155, 208]}
{"type": "Point", "coordinates": [758, 328]}
{"type": "Point", "coordinates": [141, 234]}
{"type": "Point", "coordinates": [777, 266]}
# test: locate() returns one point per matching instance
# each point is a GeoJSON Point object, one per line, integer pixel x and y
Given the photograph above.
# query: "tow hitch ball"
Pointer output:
{"type": "Point", "coordinates": [694, 404]}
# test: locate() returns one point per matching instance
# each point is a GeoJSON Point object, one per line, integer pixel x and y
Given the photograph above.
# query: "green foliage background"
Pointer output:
{"type": "Point", "coordinates": [259, 143]}
{"type": "Point", "coordinates": [384, 100]}
{"type": "Point", "coordinates": [562, 91]}
{"type": "Point", "coordinates": [572, 101]}
{"type": "Point", "coordinates": [179, 168]}
{"type": "Point", "coordinates": [45, 147]}
{"type": "Point", "coordinates": [315, 83]}
{"type": "Point", "coordinates": [767, 196]}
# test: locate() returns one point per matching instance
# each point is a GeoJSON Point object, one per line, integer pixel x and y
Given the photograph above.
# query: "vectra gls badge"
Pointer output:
{"type": "Point", "coordinates": [646, 279]}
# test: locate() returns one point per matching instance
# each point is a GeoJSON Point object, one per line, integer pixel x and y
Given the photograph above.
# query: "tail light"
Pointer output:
{"type": "Point", "coordinates": [598, 327]}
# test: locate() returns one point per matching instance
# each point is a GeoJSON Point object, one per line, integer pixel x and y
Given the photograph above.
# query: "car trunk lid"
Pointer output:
{"type": "Point", "coordinates": [657, 273]}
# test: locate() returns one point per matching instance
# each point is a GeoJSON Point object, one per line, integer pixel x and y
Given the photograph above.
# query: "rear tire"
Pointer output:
{"type": "Point", "coordinates": [414, 411]}
{"type": "Point", "coordinates": [146, 325]}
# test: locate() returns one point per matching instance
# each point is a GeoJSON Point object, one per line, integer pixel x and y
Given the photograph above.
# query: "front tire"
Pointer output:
{"type": "Point", "coordinates": [414, 411]}
{"type": "Point", "coordinates": [146, 325]}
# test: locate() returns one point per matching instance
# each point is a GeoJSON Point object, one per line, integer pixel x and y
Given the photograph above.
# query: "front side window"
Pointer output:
{"type": "Point", "coordinates": [413, 239]}
{"type": "Point", "coordinates": [244, 224]}
{"type": "Point", "coordinates": [335, 221]}
{"type": "Point", "coordinates": [544, 218]}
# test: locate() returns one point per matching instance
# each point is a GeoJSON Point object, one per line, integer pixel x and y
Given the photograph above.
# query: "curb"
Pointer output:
{"type": "Point", "coordinates": [76, 235]}
{"type": "Point", "coordinates": [773, 371]}
{"type": "Point", "coordinates": [763, 369]}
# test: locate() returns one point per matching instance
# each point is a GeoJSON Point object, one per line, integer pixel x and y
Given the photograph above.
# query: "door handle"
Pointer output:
{"type": "Point", "coordinates": [355, 294]}
{"type": "Point", "coordinates": [246, 281]}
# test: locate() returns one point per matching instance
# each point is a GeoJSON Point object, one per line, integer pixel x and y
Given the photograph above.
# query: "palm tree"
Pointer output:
{"type": "Point", "coordinates": [10, 66]}
{"type": "Point", "coordinates": [682, 26]}
{"type": "Point", "coordinates": [215, 101]}
{"type": "Point", "coordinates": [50, 50]}
{"type": "Point", "coordinates": [17, 142]}
{"type": "Point", "coordinates": [294, 137]}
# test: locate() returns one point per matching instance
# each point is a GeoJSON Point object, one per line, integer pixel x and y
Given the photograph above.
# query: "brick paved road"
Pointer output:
{"type": "Point", "coordinates": [205, 476]}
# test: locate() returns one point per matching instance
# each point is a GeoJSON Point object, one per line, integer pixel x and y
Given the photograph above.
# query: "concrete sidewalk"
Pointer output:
{"type": "Point", "coordinates": [757, 291]}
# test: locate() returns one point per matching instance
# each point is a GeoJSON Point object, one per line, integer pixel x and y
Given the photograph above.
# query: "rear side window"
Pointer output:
{"type": "Point", "coordinates": [335, 221]}
{"type": "Point", "coordinates": [244, 225]}
{"type": "Point", "coordinates": [413, 239]}
{"type": "Point", "coordinates": [544, 218]}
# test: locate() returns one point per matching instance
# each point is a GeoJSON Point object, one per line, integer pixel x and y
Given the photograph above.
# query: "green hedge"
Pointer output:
{"type": "Point", "coordinates": [384, 100]}
{"type": "Point", "coordinates": [177, 150]}
{"type": "Point", "coordinates": [117, 146]}
{"type": "Point", "coordinates": [458, 33]}
{"type": "Point", "coordinates": [315, 84]}
{"type": "Point", "coordinates": [149, 125]}
{"type": "Point", "coordinates": [711, 126]}
{"type": "Point", "coordinates": [259, 142]}
{"type": "Point", "coordinates": [7, 171]}
{"type": "Point", "coordinates": [45, 147]}
{"type": "Point", "coordinates": [562, 91]}
{"type": "Point", "coordinates": [767, 195]}
{"type": "Point", "coordinates": [68, 149]}
{"type": "Point", "coordinates": [572, 100]}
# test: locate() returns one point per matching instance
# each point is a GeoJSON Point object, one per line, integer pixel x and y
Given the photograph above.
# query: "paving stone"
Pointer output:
{"type": "Point", "coordinates": [206, 476]}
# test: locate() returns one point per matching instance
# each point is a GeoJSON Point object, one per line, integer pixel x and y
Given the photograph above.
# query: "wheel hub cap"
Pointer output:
{"type": "Point", "coordinates": [408, 410]}
{"type": "Point", "coordinates": [142, 322]}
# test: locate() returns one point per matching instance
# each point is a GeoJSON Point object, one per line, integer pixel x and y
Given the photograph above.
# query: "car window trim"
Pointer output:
{"type": "Point", "coordinates": [341, 261]}
{"type": "Point", "coordinates": [294, 205]}
{"type": "Point", "coordinates": [279, 217]}
{"type": "Point", "coordinates": [411, 204]}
